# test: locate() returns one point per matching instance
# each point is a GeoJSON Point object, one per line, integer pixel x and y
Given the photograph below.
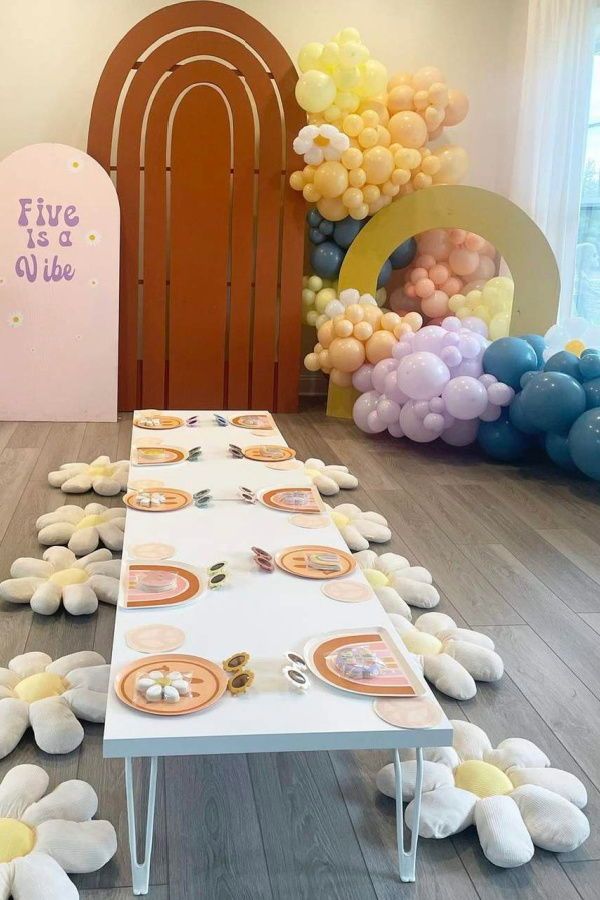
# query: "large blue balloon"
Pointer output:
{"type": "Point", "coordinates": [508, 359]}
{"type": "Point", "coordinates": [557, 448]}
{"type": "Point", "coordinates": [385, 274]}
{"type": "Point", "coordinates": [539, 345]}
{"type": "Point", "coordinates": [501, 440]}
{"type": "Point", "coordinates": [326, 259]}
{"type": "Point", "coordinates": [404, 254]}
{"type": "Point", "coordinates": [518, 418]}
{"type": "Point", "coordinates": [552, 401]}
{"type": "Point", "coordinates": [345, 231]}
{"type": "Point", "coordinates": [592, 393]}
{"type": "Point", "coordinates": [584, 443]}
{"type": "Point", "coordinates": [563, 361]}
{"type": "Point", "coordinates": [589, 364]}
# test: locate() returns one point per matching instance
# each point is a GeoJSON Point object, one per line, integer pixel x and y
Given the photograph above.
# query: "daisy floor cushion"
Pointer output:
{"type": "Point", "coordinates": [101, 476]}
{"type": "Point", "coordinates": [82, 529]}
{"type": "Point", "coordinates": [328, 480]}
{"type": "Point", "coordinates": [51, 697]}
{"type": "Point", "coordinates": [511, 794]}
{"type": "Point", "coordinates": [358, 527]}
{"type": "Point", "coordinates": [397, 584]}
{"type": "Point", "coordinates": [42, 838]}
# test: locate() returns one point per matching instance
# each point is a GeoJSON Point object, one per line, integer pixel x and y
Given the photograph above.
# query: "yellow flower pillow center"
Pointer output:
{"type": "Point", "coordinates": [96, 471]}
{"type": "Point", "coordinates": [16, 839]}
{"type": "Point", "coordinates": [69, 576]}
{"type": "Point", "coordinates": [40, 686]}
{"type": "Point", "coordinates": [89, 522]}
{"type": "Point", "coordinates": [482, 779]}
{"type": "Point", "coordinates": [339, 519]}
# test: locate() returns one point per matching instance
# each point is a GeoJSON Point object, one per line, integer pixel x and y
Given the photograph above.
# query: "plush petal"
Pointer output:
{"type": "Point", "coordinates": [434, 622]}
{"type": "Point", "coordinates": [56, 533]}
{"type": "Point", "coordinates": [84, 540]}
{"type": "Point", "coordinates": [552, 822]}
{"type": "Point", "coordinates": [366, 559]}
{"type": "Point", "coordinates": [101, 555]}
{"type": "Point", "coordinates": [31, 663]}
{"type": "Point", "coordinates": [465, 634]}
{"type": "Point", "coordinates": [504, 838]}
{"type": "Point", "coordinates": [516, 752]}
{"type": "Point", "coordinates": [36, 869]}
{"type": "Point", "coordinates": [69, 513]}
{"type": "Point", "coordinates": [106, 486]}
{"type": "Point", "coordinates": [54, 725]}
{"type": "Point", "coordinates": [111, 534]}
{"type": "Point", "coordinates": [425, 596]}
{"type": "Point", "coordinates": [447, 756]}
{"type": "Point", "coordinates": [95, 678]}
{"type": "Point", "coordinates": [14, 722]}
{"type": "Point", "coordinates": [78, 846]}
{"type": "Point", "coordinates": [110, 567]}
{"type": "Point", "coordinates": [392, 602]}
{"type": "Point", "coordinates": [46, 598]}
{"type": "Point", "coordinates": [90, 706]}
{"type": "Point", "coordinates": [57, 479]}
{"type": "Point", "coordinates": [401, 624]}
{"type": "Point", "coordinates": [8, 678]}
{"type": "Point", "coordinates": [444, 811]}
{"type": "Point", "coordinates": [480, 662]}
{"type": "Point", "coordinates": [390, 562]}
{"type": "Point", "coordinates": [435, 775]}
{"type": "Point", "coordinates": [557, 780]}
{"type": "Point", "coordinates": [80, 599]}
{"type": "Point", "coordinates": [417, 573]}
{"type": "Point", "coordinates": [374, 530]}
{"type": "Point", "coordinates": [59, 558]}
{"type": "Point", "coordinates": [6, 879]}
{"type": "Point", "coordinates": [27, 565]}
{"type": "Point", "coordinates": [470, 741]}
{"type": "Point", "coordinates": [353, 538]}
{"type": "Point", "coordinates": [449, 676]}
{"type": "Point", "coordinates": [73, 801]}
{"type": "Point", "coordinates": [19, 590]}
{"type": "Point", "coordinates": [116, 513]}
{"type": "Point", "coordinates": [82, 659]}
{"type": "Point", "coordinates": [105, 588]}
{"type": "Point", "coordinates": [20, 787]}
{"type": "Point", "coordinates": [77, 484]}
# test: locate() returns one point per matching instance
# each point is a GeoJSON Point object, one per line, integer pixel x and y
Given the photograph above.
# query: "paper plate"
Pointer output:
{"type": "Point", "coordinates": [174, 499]}
{"type": "Point", "coordinates": [294, 561]}
{"type": "Point", "coordinates": [159, 638]}
{"type": "Point", "coordinates": [152, 550]}
{"type": "Point", "coordinates": [208, 684]}
{"type": "Point", "coordinates": [348, 591]}
{"type": "Point", "coordinates": [397, 680]}
{"type": "Point", "coordinates": [260, 421]}
{"type": "Point", "coordinates": [164, 420]}
{"type": "Point", "coordinates": [144, 484]}
{"type": "Point", "coordinates": [269, 453]}
{"type": "Point", "coordinates": [157, 456]}
{"type": "Point", "coordinates": [148, 584]}
{"type": "Point", "coordinates": [292, 499]}
{"type": "Point", "coordinates": [310, 521]}
{"type": "Point", "coordinates": [409, 712]}
{"type": "Point", "coordinates": [286, 465]}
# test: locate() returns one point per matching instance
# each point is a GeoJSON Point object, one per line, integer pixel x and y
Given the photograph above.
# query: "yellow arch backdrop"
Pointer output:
{"type": "Point", "coordinates": [516, 237]}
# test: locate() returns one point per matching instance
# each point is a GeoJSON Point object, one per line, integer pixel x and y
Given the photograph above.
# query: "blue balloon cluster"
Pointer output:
{"type": "Point", "coordinates": [331, 240]}
{"type": "Point", "coordinates": [557, 404]}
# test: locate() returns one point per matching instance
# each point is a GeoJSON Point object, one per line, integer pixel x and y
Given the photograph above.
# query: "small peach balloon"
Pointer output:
{"type": "Point", "coordinates": [342, 379]}
{"type": "Point", "coordinates": [436, 242]}
{"type": "Point", "coordinates": [452, 286]}
{"type": "Point", "coordinates": [400, 98]}
{"type": "Point", "coordinates": [373, 316]}
{"type": "Point", "coordinates": [378, 164]}
{"type": "Point", "coordinates": [457, 108]}
{"type": "Point", "coordinates": [355, 313]}
{"type": "Point", "coordinates": [425, 77]}
{"type": "Point", "coordinates": [324, 360]}
{"type": "Point", "coordinates": [343, 329]}
{"type": "Point", "coordinates": [401, 330]}
{"type": "Point", "coordinates": [418, 273]}
{"type": "Point", "coordinates": [357, 178]}
{"type": "Point", "coordinates": [363, 331]}
{"type": "Point", "coordinates": [311, 362]}
{"type": "Point", "coordinates": [346, 354]}
{"type": "Point", "coordinates": [424, 288]}
{"type": "Point", "coordinates": [463, 261]}
{"type": "Point", "coordinates": [325, 334]}
{"type": "Point", "coordinates": [408, 128]}
{"type": "Point", "coordinates": [454, 164]}
{"type": "Point", "coordinates": [380, 346]}
{"type": "Point", "coordinates": [414, 320]}
{"type": "Point", "coordinates": [439, 274]}
{"type": "Point", "coordinates": [474, 242]}
{"type": "Point", "coordinates": [436, 305]}
{"type": "Point", "coordinates": [389, 320]}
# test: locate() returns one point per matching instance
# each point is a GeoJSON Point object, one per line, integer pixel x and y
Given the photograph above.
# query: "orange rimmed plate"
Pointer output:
{"type": "Point", "coordinates": [304, 500]}
{"type": "Point", "coordinates": [294, 561]}
{"type": "Point", "coordinates": [208, 683]}
{"type": "Point", "coordinates": [174, 499]}
{"type": "Point", "coordinates": [148, 585]}
{"type": "Point", "coordinates": [164, 420]}
{"type": "Point", "coordinates": [253, 420]}
{"type": "Point", "coordinates": [157, 456]}
{"type": "Point", "coordinates": [269, 453]}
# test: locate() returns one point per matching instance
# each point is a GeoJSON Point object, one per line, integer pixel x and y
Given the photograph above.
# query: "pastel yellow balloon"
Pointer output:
{"type": "Point", "coordinates": [374, 78]}
{"type": "Point", "coordinates": [343, 329]}
{"type": "Point", "coordinates": [368, 137]}
{"type": "Point", "coordinates": [332, 209]}
{"type": "Point", "coordinates": [309, 56]}
{"type": "Point", "coordinates": [414, 319]}
{"type": "Point", "coordinates": [312, 317]}
{"type": "Point", "coordinates": [499, 326]}
{"type": "Point", "coordinates": [331, 179]}
{"type": "Point", "coordinates": [315, 91]}
{"type": "Point", "coordinates": [314, 282]}
{"type": "Point", "coordinates": [359, 212]}
{"type": "Point", "coordinates": [346, 78]}
{"type": "Point", "coordinates": [311, 362]}
{"type": "Point", "coordinates": [352, 125]}
{"type": "Point", "coordinates": [297, 181]}
{"type": "Point", "coordinates": [373, 315]}
{"type": "Point", "coordinates": [376, 578]}
{"type": "Point", "coordinates": [456, 302]}
{"type": "Point", "coordinates": [357, 177]}
{"type": "Point", "coordinates": [348, 34]}
{"type": "Point", "coordinates": [363, 331]}
{"type": "Point", "coordinates": [355, 313]}
{"type": "Point", "coordinates": [352, 158]}
{"type": "Point", "coordinates": [454, 164]}
{"type": "Point", "coordinates": [378, 164]}
{"type": "Point", "coordinates": [352, 197]}
{"type": "Point", "coordinates": [310, 193]}
{"type": "Point", "coordinates": [371, 193]}
{"type": "Point", "coordinates": [389, 321]}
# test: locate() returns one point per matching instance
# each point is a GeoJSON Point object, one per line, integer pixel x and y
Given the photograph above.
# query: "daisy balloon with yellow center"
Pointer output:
{"type": "Point", "coordinates": [573, 335]}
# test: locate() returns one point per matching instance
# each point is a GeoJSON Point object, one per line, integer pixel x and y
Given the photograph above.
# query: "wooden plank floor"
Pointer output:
{"type": "Point", "coordinates": [514, 552]}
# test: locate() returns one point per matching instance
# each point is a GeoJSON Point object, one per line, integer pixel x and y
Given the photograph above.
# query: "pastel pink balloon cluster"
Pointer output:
{"type": "Point", "coordinates": [448, 262]}
{"type": "Point", "coordinates": [433, 386]}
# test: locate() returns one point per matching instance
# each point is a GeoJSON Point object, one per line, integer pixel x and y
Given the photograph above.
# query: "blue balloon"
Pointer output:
{"type": "Point", "coordinates": [404, 254]}
{"type": "Point", "coordinates": [345, 231]}
{"type": "Point", "coordinates": [518, 418]}
{"type": "Point", "coordinates": [527, 377]}
{"type": "Point", "coordinates": [589, 364]}
{"type": "Point", "coordinates": [508, 359]}
{"type": "Point", "coordinates": [501, 440]}
{"type": "Point", "coordinates": [584, 443]}
{"type": "Point", "coordinates": [315, 236]}
{"type": "Point", "coordinates": [589, 351]}
{"type": "Point", "coordinates": [552, 401]}
{"type": "Point", "coordinates": [564, 362]}
{"type": "Point", "coordinates": [385, 274]}
{"type": "Point", "coordinates": [314, 218]}
{"type": "Point", "coordinates": [592, 393]}
{"type": "Point", "coordinates": [326, 227]}
{"type": "Point", "coordinates": [557, 448]}
{"type": "Point", "coordinates": [539, 345]}
{"type": "Point", "coordinates": [326, 259]}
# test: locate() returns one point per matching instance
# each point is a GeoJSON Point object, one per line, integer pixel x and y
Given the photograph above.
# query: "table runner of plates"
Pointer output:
{"type": "Point", "coordinates": [261, 613]}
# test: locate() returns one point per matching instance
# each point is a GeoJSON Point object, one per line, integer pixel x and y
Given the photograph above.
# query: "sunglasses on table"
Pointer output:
{"type": "Point", "coordinates": [295, 671]}
{"type": "Point", "coordinates": [202, 498]}
{"type": "Point", "coordinates": [236, 451]}
{"type": "Point", "coordinates": [194, 454]}
{"type": "Point", "coordinates": [221, 421]}
{"type": "Point", "coordinates": [247, 494]}
{"type": "Point", "coordinates": [217, 575]}
{"type": "Point", "coordinates": [263, 559]}
{"type": "Point", "coordinates": [241, 677]}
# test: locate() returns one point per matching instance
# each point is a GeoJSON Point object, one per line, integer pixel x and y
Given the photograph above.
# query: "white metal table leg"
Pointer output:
{"type": "Point", "coordinates": [407, 860]}
{"type": "Point", "coordinates": [140, 871]}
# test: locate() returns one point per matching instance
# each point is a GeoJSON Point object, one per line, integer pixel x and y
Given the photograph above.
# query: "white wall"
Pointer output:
{"type": "Point", "coordinates": [52, 53]}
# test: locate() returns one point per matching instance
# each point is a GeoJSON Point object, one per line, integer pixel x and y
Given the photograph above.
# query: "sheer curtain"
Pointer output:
{"type": "Point", "coordinates": [552, 125]}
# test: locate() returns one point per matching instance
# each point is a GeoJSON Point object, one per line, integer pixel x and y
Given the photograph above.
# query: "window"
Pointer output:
{"type": "Point", "coordinates": [586, 299]}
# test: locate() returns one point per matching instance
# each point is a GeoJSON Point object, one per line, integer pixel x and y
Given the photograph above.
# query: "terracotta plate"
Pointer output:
{"type": "Point", "coordinates": [174, 499]}
{"type": "Point", "coordinates": [157, 456]}
{"type": "Point", "coordinates": [208, 683]}
{"type": "Point", "coordinates": [159, 584]}
{"type": "Point", "coordinates": [165, 422]}
{"type": "Point", "coordinates": [292, 499]}
{"type": "Point", "coordinates": [269, 453]}
{"type": "Point", "coordinates": [253, 420]}
{"type": "Point", "coordinates": [415, 712]}
{"type": "Point", "coordinates": [294, 560]}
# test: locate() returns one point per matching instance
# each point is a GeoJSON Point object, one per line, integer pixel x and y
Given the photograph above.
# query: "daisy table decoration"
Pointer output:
{"type": "Point", "coordinates": [398, 585]}
{"type": "Point", "coordinates": [82, 529]}
{"type": "Point", "coordinates": [101, 476]}
{"type": "Point", "coordinates": [271, 610]}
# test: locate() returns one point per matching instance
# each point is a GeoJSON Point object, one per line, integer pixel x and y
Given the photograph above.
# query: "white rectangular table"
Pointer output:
{"type": "Point", "coordinates": [264, 614]}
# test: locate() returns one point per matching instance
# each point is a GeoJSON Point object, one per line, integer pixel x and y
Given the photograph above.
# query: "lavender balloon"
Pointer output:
{"type": "Point", "coordinates": [388, 411]}
{"type": "Point", "coordinates": [461, 433]}
{"type": "Point", "coordinates": [362, 379]}
{"type": "Point", "coordinates": [465, 397]}
{"type": "Point", "coordinates": [380, 370]}
{"type": "Point", "coordinates": [430, 338]}
{"type": "Point", "coordinates": [422, 375]}
{"type": "Point", "coordinates": [374, 423]}
{"type": "Point", "coordinates": [364, 405]}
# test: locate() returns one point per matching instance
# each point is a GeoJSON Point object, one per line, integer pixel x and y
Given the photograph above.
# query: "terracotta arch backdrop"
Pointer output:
{"type": "Point", "coordinates": [198, 132]}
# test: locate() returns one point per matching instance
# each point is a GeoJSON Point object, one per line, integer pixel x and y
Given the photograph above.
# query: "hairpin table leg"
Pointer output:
{"type": "Point", "coordinates": [407, 860]}
{"type": "Point", "coordinates": [140, 872]}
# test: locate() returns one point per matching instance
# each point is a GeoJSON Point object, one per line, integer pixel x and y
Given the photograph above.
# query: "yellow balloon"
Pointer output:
{"type": "Point", "coordinates": [374, 78]}
{"type": "Point", "coordinates": [310, 193]}
{"type": "Point", "coordinates": [378, 164]}
{"type": "Point", "coordinates": [297, 181]}
{"type": "Point", "coordinates": [331, 179]}
{"type": "Point", "coordinates": [454, 164]}
{"type": "Point", "coordinates": [371, 193]}
{"type": "Point", "coordinates": [309, 56]}
{"type": "Point", "coordinates": [332, 208]}
{"type": "Point", "coordinates": [352, 197]}
{"type": "Point", "coordinates": [315, 91]}
{"type": "Point", "coordinates": [359, 212]}
{"type": "Point", "coordinates": [357, 177]}
{"type": "Point", "coordinates": [352, 158]}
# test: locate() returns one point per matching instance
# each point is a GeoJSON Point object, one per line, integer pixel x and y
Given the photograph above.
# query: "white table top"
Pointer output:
{"type": "Point", "coordinates": [264, 614]}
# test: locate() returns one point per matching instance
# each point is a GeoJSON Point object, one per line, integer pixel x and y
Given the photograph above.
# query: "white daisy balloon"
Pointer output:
{"type": "Point", "coordinates": [328, 480]}
{"type": "Point", "coordinates": [101, 476]}
{"type": "Point", "coordinates": [317, 143]}
{"type": "Point", "coordinates": [358, 527]}
{"type": "Point", "coordinates": [397, 584]}
{"type": "Point", "coordinates": [50, 697]}
{"type": "Point", "coordinates": [42, 838]}
{"type": "Point", "coordinates": [82, 529]}
{"type": "Point", "coordinates": [574, 335]}
{"type": "Point", "coordinates": [60, 577]}
{"type": "Point", "coordinates": [511, 794]}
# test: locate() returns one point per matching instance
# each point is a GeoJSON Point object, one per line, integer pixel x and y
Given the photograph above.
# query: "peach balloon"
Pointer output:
{"type": "Point", "coordinates": [380, 346]}
{"type": "Point", "coordinates": [452, 286]}
{"type": "Point", "coordinates": [454, 164]}
{"type": "Point", "coordinates": [378, 163]}
{"type": "Point", "coordinates": [409, 290]}
{"type": "Point", "coordinates": [463, 261]}
{"type": "Point", "coordinates": [325, 334]}
{"type": "Point", "coordinates": [311, 362]}
{"type": "Point", "coordinates": [436, 305]}
{"type": "Point", "coordinates": [389, 320]}
{"type": "Point", "coordinates": [346, 354]}
{"type": "Point", "coordinates": [400, 98]}
{"type": "Point", "coordinates": [439, 274]}
{"type": "Point", "coordinates": [418, 273]}
{"type": "Point", "coordinates": [414, 320]}
{"type": "Point", "coordinates": [343, 329]}
{"type": "Point", "coordinates": [436, 242]}
{"type": "Point", "coordinates": [458, 107]}
{"type": "Point", "coordinates": [399, 78]}
{"type": "Point", "coordinates": [332, 208]}
{"type": "Point", "coordinates": [373, 315]}
{"type": "Point", "coordinates": [474, 242]}
{"type": "Point", "coordinates": [408, 128]}
{"type": "Point", "coordinates": [424, 288]}
{"type": "Point", "coordinates": [425, 77]}
{"type": "Point", "coordinates": [363, 331]}
{"type": "Point", "coordinates": [355, 313]}
{"type": "Point", "coordinates": [425, 261]}
{"type": "Point", "coordinates": [457, 236]}
{"type": "Point", "coordinates": [342, 379]}
{"type": "Point", "coordinates": [331, 179]}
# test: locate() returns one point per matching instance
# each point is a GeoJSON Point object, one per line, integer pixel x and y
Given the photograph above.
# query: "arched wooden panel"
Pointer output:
{"type": "Point", "coordinates": [255, 331]}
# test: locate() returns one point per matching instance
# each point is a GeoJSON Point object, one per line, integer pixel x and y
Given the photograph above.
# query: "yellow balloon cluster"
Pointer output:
{"type": "Point", "coordinates": [362, 333]}
{"type": "Point", "coordinates": [317, 295]}
{"type": "Point", "coordinates": [379, 149]}
{"type": "Point", "coordinates": [493, 304]}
